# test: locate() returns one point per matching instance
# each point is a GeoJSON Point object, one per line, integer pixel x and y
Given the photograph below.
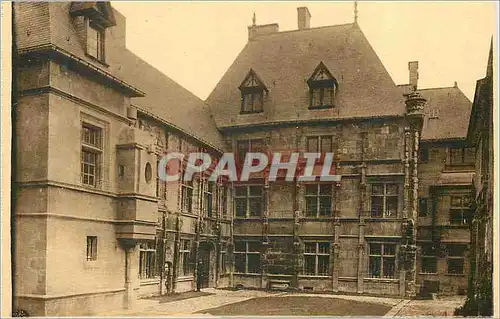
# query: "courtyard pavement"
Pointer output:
{"type": "Point", "coordinates": [200, 306]}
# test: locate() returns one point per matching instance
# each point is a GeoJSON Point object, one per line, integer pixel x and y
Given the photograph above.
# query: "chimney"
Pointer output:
{"type": "Point", "coordinates": [258, 30]}
{"type": "Point", "coordinates": [413, 68]}
{"type": "Point", "coordinates": [303, 18]}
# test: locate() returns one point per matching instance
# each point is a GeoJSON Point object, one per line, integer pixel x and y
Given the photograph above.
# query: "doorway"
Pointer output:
{"type": "Point", "coordinates": [204, 265]}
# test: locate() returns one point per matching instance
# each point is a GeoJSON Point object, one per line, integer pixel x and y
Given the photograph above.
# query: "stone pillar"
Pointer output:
{"type": "Point", "coordinates": [131, 273]}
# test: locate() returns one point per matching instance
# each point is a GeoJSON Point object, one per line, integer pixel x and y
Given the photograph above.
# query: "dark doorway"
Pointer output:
{"type": "Point", "coordinates": [204, 265]}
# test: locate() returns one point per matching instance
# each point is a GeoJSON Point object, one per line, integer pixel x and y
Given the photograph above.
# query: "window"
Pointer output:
{"type": "Point", "coordinates": [248, 146]}
{"type": "Point", "coordinates": [461, 156]}
{"type": "Point", "coordinates": [322, 97]}
{"type": "Point", "coordinates": [208, 198]}
{"type": "Point", "coordinates": [222, 193]}
{"type": "Point", "coordinates": [91, 248]}
{"type": "Point", "coordinates": [248, 201]}
{"type": "Point", "coordinates": [147, 260]}
{"type": "Point", "coordinates": [382, 262]}
{"type": "Point", "coordinates": [316, 259]}
{"type": "Point", "coordinates": [423, 207]}
{"type": "Point", "coordinates": [186, 195]}
{"type": "Point", "coordinates": [423, 154]}
{"type": "Point", "coordinates": [319, 200]}
{"type": "Point", "coordinates": [224, 269]}
{"type": "Point", "coordinates": [186, 266]}
{"type": "Point", "coordinates": [95, 42]}
{"type": "Point", "coordinates": [319, 144]}
{"type": "Point", "coordinates": [384, 200]}
{"type": "Point", "coordinates": [252, 93]}
{"type": "Point", "coordinates": [459, 209]}
{"type": "Point", "coordinates": [91, 155]}
{"type": "Point", "coordinates": [455, 259]}
{"type": "Point", "coordinates": [247, 257]}
{"type": "Point", "coordinates": [161, 187]}
{"type": "Point", "coordinates": [322, 88]}
{"type": "Point", "coordinates": [433, 113]}
{"type": "Point", "coordinates": [428, 259]}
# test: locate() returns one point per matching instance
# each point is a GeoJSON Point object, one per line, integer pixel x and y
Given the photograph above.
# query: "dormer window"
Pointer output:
{"type": "Point", "coordinates": [98, 16]}
{"type": "Point", "coordinates": [253, 92]}
{"type": "Point", "coordinates": [95, 42]}
{"type": "Point", "coordinates": [322, 88]}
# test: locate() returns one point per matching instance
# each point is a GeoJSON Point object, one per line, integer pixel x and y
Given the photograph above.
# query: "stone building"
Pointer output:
{"type": "Point", "coordinates": [95, 228]}
{"type": "Point", "coordinates": [480, 135]}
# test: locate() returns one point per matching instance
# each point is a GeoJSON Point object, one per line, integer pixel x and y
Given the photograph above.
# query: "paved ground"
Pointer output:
{"type": "Point", "coordinates": [250, 302]}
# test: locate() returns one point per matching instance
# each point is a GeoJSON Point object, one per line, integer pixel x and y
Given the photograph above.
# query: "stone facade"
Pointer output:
{"type": "Point", "coordinates": [95, 229]}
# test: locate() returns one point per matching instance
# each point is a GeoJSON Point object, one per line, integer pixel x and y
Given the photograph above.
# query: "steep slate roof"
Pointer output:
{"type": "Point", "coordinates": [286, 60]}
{"type": "Point", "coordinates": [454, 110]}
{"type": "Point", "coordinates": [169, 101]}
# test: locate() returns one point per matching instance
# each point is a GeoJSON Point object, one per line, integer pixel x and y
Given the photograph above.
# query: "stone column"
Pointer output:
{"type": "Point", "coordinates": [131, 273]}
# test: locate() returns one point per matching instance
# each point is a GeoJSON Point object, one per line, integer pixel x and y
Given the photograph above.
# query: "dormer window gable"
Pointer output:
{"type": "Point", "coordinates": [253, 92]}
{"type": "Point", "coordinates": [99, 13]}
{"type": "Point", "coordinates": [322, 88]}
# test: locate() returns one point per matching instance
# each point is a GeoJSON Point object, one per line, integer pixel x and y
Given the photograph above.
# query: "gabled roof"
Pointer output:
{"type": "Point", "coordinates": [321, 73]}
{"type": "Point", "coordinates": [286, 60]}
{"type": "Point", "coordinates": [252, 80]}
{"type": "Point", "coordinates": [99, 11]}
{"type": "Point", "coordinates": [454, 110]}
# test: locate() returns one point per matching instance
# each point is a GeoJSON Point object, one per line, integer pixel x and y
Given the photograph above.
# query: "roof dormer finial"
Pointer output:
{"type": "Point", "coordinates": [355, 11]}
{"type": "Point", "coordinates": [254, 19]}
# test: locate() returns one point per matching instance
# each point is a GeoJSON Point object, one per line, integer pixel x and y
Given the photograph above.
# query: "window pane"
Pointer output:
{"type": "Point", "coordinates": [312, 144]}
{"type": "Point", "coordinates": [323, 265]}
{"type": "Point", "coordinates": [377, 206]}
{"type": "Point", "coordinates": [455, 155]}
{"type": "Point", "coordinates": [469, 156]}
{"type": "Point", "coordinates": [239, 246]}
{"type": "Point", "coordinates": [254, 246]}
{"type": "Point", "coordinates": [324, 248]}
{"type": "Point", "coordinates": [239, 262]}
{"type": "Point", "coordinates": [309, 264]}
{"type": "Point", "coordinates": [240, 191]}
{"type": "Point", "coordinates": [325, 206]}
{"type": "Point", "coordinates": [422, 207]}
{"type": "Point", "coordinates": [392, 189]}
{"type": "Point", "coordinates": [456, 266]}
{"type": "Point", "coordinates": [311, 206]}
{"type": "Point", "coordinates": [375, 249]}
{"type": "Point", "coordinates": [428, 250]}
{"type": "Point", "coordinates": [325, 189]}
{"type": "Point", "coordinates": [429, 265]}
{"type": "Point", "coordinates": [310, 248]}
{"type": "Point", "coordinates": [253, 263]}
{"type": "Point", "coordinates": [391, 206]}
{"type": "Point", "coordinates": [389, 250]}
{"type": "Point", "coordinates": [457, 217]}
{"type": "Point", "coordinates": [456, 250]}
{"type": "Point", "coordinates": [326, 144]}
{"type": "Point", "coordinates": [456, 201]}
{"type": "Point", "coordinates": [241, 207]}
{"type": "Point", "coordinates": [255, 190]}
{"type": "Point", "coordinates": [255, 206]}
{"type": "Point", "coordinates": [312, 189]}
{"type": "Point", "coordinates": [388, 267]}
{"type": "Point", "coordinates": [377, 189]}
{"type": "Point", "coordinates": [374, 268]}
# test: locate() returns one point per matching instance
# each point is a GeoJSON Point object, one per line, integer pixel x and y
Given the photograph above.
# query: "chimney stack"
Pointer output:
{"type": "Point", "coordinates": [303, 18]}
{"type": "Point", "coordinates": [413, 68]}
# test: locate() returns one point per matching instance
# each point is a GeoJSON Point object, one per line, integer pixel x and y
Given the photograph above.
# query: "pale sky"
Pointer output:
{"type": "Point", "coordinates": [194, 43]}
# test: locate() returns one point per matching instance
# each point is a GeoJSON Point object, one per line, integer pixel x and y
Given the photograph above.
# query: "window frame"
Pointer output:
{"type": "Point", "coordinates": [462, 155]}
{"type": "Point", "coordinates": [319, 143]}
{"type": "Point", "coordinates": [187, 193]}
{"type": "Point", "coordinates": [186, 268]}
{"type": "Point", "coordinates": [381, 257]}
{"type": "Point", "coordinates": [208, 198]}
{"type": "Point", "coordinates": [248, 197]}
{"type": "Point", "coordinates": [317, 255]}
{"type": "Point", "coordinates": [95, 149]}
{"type": "Point", "coordinates": [246, 253]}
{"type": "Point", "coordinates": [384, 197]}
{"type": "Point", "coordinates": [427, 254]}
{"type": "Point", "coordinates": [463, 210]}
{"type": "Point", "coordinates": [92, 248]}
{"type": "Point", "coordinates": [148, 268]}
{"type": "Point", "coordinates": [319, 196]}
{"type": "Point", "coordinates": [461, 257]}
{"type": "Point", "coordinates": [100, 41]}
{"type": "Point", "coordinates": [323, 92]}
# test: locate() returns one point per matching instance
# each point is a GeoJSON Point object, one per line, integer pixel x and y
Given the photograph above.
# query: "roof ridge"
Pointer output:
{"type": "Point", "coordinates": [302, 30]}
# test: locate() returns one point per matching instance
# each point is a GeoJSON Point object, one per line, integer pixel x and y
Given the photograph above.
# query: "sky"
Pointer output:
{"type": "Point", "coordinates": [194, 43]}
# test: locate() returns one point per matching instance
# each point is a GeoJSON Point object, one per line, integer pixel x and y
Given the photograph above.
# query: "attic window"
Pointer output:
{"type": "Point", "coordinates": [322, 88]}
{"type": "Point", "coordinates": [434, 113]}
{"type": "Point", "coordinates": [253, 92]}
{"type": "Point", "coordinates": [95, 41]}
